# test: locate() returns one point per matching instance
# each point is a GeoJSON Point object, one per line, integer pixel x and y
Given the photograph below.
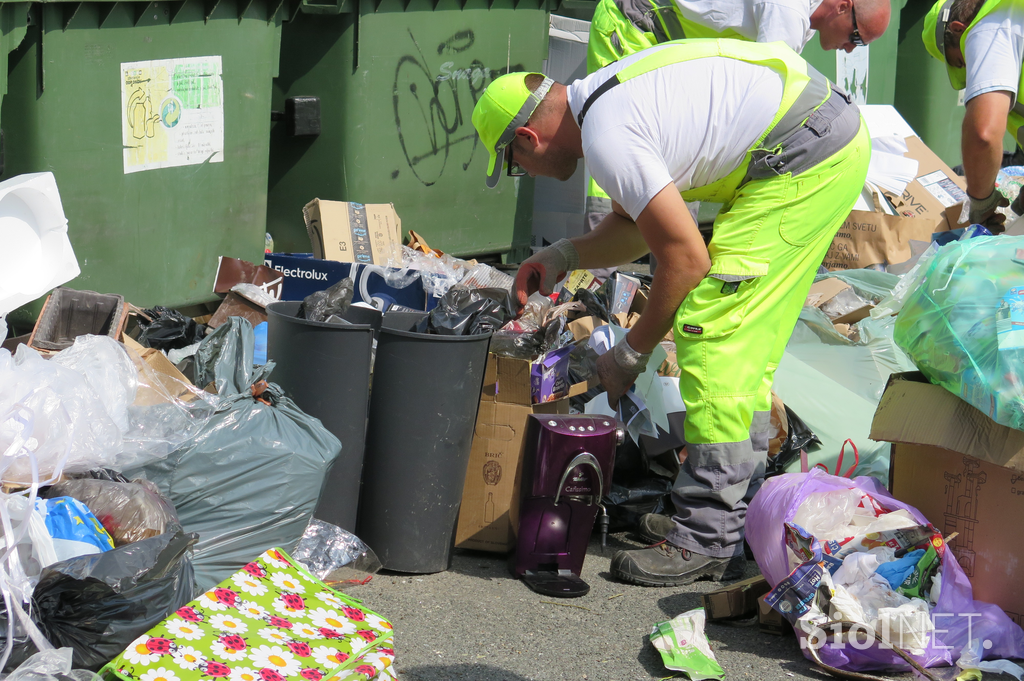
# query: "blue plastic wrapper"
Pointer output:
{"type": "Point", "coordinates": [963, 324]}
{"type": "Point", "coordinates": [73, 527]}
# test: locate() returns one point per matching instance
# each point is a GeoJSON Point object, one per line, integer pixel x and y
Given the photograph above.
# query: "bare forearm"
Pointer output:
{"type": "Point", "coordinates": [982, 158]}
{"type": "Point", "coordinates": [672, 283]}
{"type": "Point", "coordinates": [616, 241]}
{"type": "Point", "coordinates": [981, 141]}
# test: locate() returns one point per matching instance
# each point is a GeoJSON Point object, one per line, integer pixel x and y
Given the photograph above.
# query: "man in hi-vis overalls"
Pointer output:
{"type": "Point", "coordinates": [745, 124]}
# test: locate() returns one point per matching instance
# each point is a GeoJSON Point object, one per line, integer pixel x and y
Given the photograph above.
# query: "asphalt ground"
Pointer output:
{"type": "Point", "coordinates": [476, 622]}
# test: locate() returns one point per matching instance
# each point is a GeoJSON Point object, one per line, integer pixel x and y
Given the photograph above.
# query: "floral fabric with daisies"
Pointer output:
{"type": "Point", "coordinates": [271, 621]}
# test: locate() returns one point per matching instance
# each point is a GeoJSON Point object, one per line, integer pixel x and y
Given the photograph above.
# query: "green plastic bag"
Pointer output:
{"type": "Point", "coordinates": [963, 324]}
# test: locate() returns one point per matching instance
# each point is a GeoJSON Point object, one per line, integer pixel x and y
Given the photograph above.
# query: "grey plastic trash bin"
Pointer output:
{"type": "Point", "coordinates": [426, 392]}
{"type": "Point", "coordinates": [325, 369]}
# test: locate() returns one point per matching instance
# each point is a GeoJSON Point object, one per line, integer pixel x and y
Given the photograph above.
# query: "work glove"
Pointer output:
{"type": "Point", "coordinates": [541, 271]}
{"type": "Point", "coordinates": [619, 368]}
{"type": "Point", "coordinates": [982, 211]}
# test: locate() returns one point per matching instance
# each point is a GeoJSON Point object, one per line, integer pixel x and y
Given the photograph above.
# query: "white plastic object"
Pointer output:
{"type": "Point", "coordinates": [971, 659]}
{"type": "Point", "coordinates": [37, 254]}
{"type": "Point", "coordinates": [827, 515]}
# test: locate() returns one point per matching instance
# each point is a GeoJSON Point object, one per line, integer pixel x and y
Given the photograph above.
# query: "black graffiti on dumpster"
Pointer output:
{"type": "Point", "coordinates": [433, 107]}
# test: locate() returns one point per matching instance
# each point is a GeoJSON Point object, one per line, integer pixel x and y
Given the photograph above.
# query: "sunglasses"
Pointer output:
{"type": "Point", "coordinates": [855, 36]}
{"type": "Point", "coordinates": [514, 169]}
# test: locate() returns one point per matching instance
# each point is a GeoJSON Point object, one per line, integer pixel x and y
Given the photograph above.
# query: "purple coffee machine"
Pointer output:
{"type": "Point", "coordinates": [566, 469]}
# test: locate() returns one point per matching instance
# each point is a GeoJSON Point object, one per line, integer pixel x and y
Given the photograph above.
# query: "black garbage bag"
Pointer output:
{"type": "Point", "coordinates": [98, 604]}
{"type": "Point", "coordinates": [169, 329]}
{"type": "Point", "coordinates": [627, 502]}
{"type": "Point", "coordinates": [636, 489]}
{"type": "Point", "coordinates": [464, 311]}
{"type": "Point", "coordinates": [318, 306]}
{"type": "Point", "coordinates": [800, 437]}
{"type": "Point", "coordinates": [595, 302]}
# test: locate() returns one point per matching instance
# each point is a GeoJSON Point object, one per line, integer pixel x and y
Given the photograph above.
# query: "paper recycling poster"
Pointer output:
{"type": "Point", "coordinates": [172, 113]}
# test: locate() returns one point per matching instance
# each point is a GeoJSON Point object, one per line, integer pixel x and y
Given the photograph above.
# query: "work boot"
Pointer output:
{"type": "Point", "coordinates": [654, 527]}
{"type": "Point", "coordinates": [667, 565]}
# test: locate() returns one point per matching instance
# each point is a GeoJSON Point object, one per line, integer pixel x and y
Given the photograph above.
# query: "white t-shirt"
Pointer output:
{"type": "Point", "coordinates": [689, 124]}
{"type": "Point", "coordinates": [762, 21]}
{"type": "Point", "coordinates": [994, 50]}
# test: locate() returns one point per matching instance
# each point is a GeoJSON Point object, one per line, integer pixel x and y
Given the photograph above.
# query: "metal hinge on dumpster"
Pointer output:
{"type": "Point", "coordinates": [302, 115]}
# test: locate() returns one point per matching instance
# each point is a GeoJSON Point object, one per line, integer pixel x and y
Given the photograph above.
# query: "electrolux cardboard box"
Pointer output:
{"type": "Point", "coordinates": [965, 473]}
{"type": "Point", "coordinates": [303, 274]}
{"type": "Point", "coordinates": [490, 492]}
{"type": "Point", "coordinates": [366, 233]}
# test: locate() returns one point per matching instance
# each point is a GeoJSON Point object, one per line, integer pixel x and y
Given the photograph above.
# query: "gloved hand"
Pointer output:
{"type": "Point", "coordinates": [982, 211]}
{"type": "Point", "coordinates": [540, 272]}
{"type": "Point", "coordinates": [619, 368]}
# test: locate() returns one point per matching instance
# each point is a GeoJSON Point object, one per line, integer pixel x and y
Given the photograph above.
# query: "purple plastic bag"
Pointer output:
{"type": "Point", "coordinates": [957, 616]}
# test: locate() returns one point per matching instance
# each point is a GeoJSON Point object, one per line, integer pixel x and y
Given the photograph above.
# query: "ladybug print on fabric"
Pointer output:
{"type": "Point", "coordinates": [270, 621]}
{"type": "Point", "coordinates": [255, 570]}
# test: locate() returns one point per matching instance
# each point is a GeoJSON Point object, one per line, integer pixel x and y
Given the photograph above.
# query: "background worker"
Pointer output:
{"type": "Point", "coordinates": [726, 121]}
{"type": "Point", "coordinates": [982, 45]}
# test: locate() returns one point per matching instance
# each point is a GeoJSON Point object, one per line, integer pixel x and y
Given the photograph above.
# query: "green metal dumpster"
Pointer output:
{"type": "Point", "coordinates": [397, 81]}
{"type": "Point", "coordinates": [155, 119]}
{"type": "Point", "coordinates": [924, 96]}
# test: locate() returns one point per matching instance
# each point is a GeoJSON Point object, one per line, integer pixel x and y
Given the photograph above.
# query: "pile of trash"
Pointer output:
{"type": "Point", "coordinates": [134, 501]}
{"type": "Point", "coordinates": [865, 579]}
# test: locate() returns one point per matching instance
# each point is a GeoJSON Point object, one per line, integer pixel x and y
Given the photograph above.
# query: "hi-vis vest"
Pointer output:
{"type": "Point", "coordinates": [1015, 121]}
{"type": "Point", "coordinates": [663, 19]}
{"type": "Point", "coordinates": [814, 119]}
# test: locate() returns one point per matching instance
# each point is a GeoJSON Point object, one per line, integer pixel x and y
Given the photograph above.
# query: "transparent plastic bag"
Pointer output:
{"type": "Point", "coordinates": [334, 555]}
{"type": "Point", "coordinates": [828, 514]}
{"type": "Point", "coordinates": [52, 412]}
{"type": "Point", "coordinates": [963, 324]}
{"type": "Point", "coordinates": [129, 511]}
{"type": "Point", "coordinates": [93, 405]}
{"type": "Point", "coordinates": [51, 665]}
{"type": "Point", "coordinates": [483, 275]}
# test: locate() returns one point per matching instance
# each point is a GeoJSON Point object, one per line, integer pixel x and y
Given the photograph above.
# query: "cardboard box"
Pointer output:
{"type": "Point", "coordinates": [736, 600]}
{"type": "Point", "coordinates": [870, 238]}
{"type": "Point", "coordinates": [303, 274]}
{"type": "Point", "coordinates": [965, 473]}
{"type": "Point", "coordinates": [873, 238]}
{"type": "Point", "coordinates": [490, 496]}
{"type": "Point", "coordinates": [770, 621]}
{"type": "Point", "coordinates": [936, 188]}
{"type": "Point", "coordinates": [366, 233]}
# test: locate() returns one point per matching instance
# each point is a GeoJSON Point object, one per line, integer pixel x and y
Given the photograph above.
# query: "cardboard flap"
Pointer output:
{"type": "Point", "coordinates": [514, 381]}
{"type": "Point", "coordinates": [825, 290]}
{"type": "Point", "coordinates": [913, 411]}
{"type": "Point", "coordinates": [503, 432]}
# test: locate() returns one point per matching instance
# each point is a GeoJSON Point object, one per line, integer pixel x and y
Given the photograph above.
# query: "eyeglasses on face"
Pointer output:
{"type": "Point", "coordinates": [855, 36]}
{"type": "Point", "coordinates": [514, 169]}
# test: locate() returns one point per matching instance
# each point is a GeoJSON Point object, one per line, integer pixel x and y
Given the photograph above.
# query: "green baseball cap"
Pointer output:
{"type": "Point", "coordinates": [506, 105]}
{"type": "Point", "coordinates": [933, 35]}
